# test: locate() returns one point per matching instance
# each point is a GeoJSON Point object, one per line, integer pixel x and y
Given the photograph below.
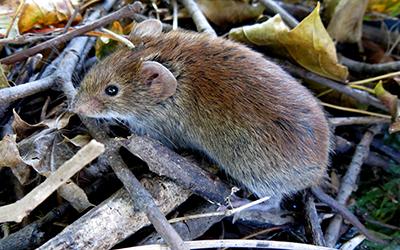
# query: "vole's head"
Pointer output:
{"type": "Point", "coordinates": [124, 84]}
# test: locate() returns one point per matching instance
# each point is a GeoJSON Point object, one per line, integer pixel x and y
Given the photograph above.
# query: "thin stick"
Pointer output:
{"type": "Point", "coordinates": [376, 78]}
{"type": "Point", "coordinates": [348, 182]}
{"type": "Point", "coordinates": [198, 17]}
{"type": "Point", "coordinates": [358, 95]}
{"type": "Point", "coordinates": [120, 38]}
{"type": "Point", "coordinates": [274, 7]}
{"type": "Point", "coordinates": [371, 69]}
{"type": "Point", "coordinates": [359, 111]}
{"type": "Point", "coordinates": [11, 94]}
{"type": "Point", "coordinates": [174, 15]}
{"type": "Point", "coordinates": [126, 11]}
{"type": "Point", "coordinates": [313, 221]}
{"type": "Point", "coordinates": [20, 209]}
{"type": "Point", "coordinates": [357, 120]}
{"type": "Point", "coordinates": [144, 201]}
{"type": "Point", "coordinates": [258, 244]}
{"type": "Point", "coordinates": [226, 213]}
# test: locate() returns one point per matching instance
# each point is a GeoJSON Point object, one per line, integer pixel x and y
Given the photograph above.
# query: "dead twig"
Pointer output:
{"type": "Point", "coordinates": [348, 182]}
{"type": "Point", "coordinates": [361, 96]}
{"type": "Point", "coordinates": [370, 69]}
{"type": "Point", "coordinates": [124, 12]}
{"type": "Point", "coordinates": [199, 19]}
{"type": "Point", "coordinates": [314, 223]}
{"type": "Point", "coordinates": [18, 210]}
{"type": "Point", "coordinates": [362, 120]}
{"type": "Point", "coordinates": [11, 94]}
{"type": "Point", "coordinates": [144, 201]}
{"type": "Point", "coordinates": [165, 162]}
{"type": "Point", "coordinates": [274, 7]}
{"type": "Point", "coordinates": [258, 244]}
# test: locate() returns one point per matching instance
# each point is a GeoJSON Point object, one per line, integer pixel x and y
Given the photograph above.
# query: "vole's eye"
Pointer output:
{"type": "Point", "coordinates": [111, 90]}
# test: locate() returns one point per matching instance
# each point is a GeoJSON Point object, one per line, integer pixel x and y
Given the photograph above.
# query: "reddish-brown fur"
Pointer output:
{"type": "Point", "coordinates": [245, 113]}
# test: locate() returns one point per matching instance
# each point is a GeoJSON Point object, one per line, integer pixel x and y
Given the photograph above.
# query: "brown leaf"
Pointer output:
{"type": "Point", "coordinates": [346, 22]}
{"type": "Point", "coordinates": [9, 152]}
{"type": "Point", "coordinates": [23, 129]}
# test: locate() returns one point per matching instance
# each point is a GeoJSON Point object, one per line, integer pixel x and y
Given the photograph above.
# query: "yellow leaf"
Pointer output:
{"type": "Point", "coordinates": [45, 12]}
{"type": "Point", "coordinates": [309, 44]}
{"type": "Point", "coordinates": [391, 7]}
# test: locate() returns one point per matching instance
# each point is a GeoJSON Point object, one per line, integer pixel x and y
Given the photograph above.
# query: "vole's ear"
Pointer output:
{"type": "Point", "coordinates": [150, 27]}
{"type": "Point", "coordinates": [161, 81]}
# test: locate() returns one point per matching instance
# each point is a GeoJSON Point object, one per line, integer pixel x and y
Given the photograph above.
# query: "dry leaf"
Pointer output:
{"type": "Point", "coordinates": [79, 140]}
{"type": "Point", "coordinates": [7, 12]}
{"type": "Point", "coordinates": [75, 196]}
{"type": "Point", "coordinates": [46, 12]}
{"type": "Point", "coordinates": [390, 7]}
{"type": "Point", "coordinates": [9, 152]}
{"type": "Point", "coordinates": [3, 78]}
{"type": "Point", "coordinates": [23, 129]}
{"type": "Point", "coordinates": [346, 22]}
{"type": "Point", "coordinates": [309, 44]}
{"type": "Point", "coordinates": [227, 12]}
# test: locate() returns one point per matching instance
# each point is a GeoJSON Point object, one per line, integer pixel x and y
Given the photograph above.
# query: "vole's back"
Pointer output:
{"type": "Point", "coordinates": [262, 127]}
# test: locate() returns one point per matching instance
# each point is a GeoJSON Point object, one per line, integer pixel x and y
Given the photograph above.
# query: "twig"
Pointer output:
{"type": "Point", "coordinates": [126, 11]}
{"type": "Point", "coordinates": [258, 244]}
{"type": "Point", "coordinates": [362, 120]}
{"type": "Point", "coordinates": [359, 111]}
{"type": "Point", "coordinates": [144, 201]}
{"type": "Point", "coordinates": [353, 243]}
{"type": "Point", "coordinates": [11, 94]}
{"type": "Point", "coordinates": [274, 7]}
{"type": "Point", "coordinates": [174, 15]}
{"type": "Point", "coordinates": [343, 211]}
{"type": "Point", "coordinates": [370, 69]}
{"type": "Point", "coordinates": [377, 78]}
{"type": "Point", "coordinates": [165, 162]}
{"type": "Point", "coordinates": [314, 223]}
{"type": "Point", "coordinates": [18, 210]}
{"type": "Point", "coordinates": [348, 182]}
{"type": "Point", "coordinates": [225, 213]}
{"type": "Point", "coordinates": [360, 96]}
{"type": "Point", "coordinates": [198, 18]}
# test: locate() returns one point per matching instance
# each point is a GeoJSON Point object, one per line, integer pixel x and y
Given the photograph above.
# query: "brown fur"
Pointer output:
{"type": "Point", "coordinates": [245, 113]}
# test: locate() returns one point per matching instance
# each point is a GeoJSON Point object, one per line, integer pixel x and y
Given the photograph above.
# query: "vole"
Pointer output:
{"type": "Point", "coordinates": [217, 97]}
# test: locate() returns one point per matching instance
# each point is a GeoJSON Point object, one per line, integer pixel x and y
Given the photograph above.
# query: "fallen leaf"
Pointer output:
{"type": "Point", "coordinates": [23, 129]}
{"type": "Point", "coordinates": [3, 78]}
{"type": "Point", "coordinates": [9, 152]}
{"type": "Point", "coordinates": [346, 22]}
{"type": "Point", "coordinates": [309, 44]}
{"type": "Point", "coordinates": [7, 12]}
{"type": "Point", "coordinates": [390, 7]}
{"type": "Point", "coordinates": [79, 140]}
{"type": "Point", "coordinates": [227, 12]}
{"type": "Point", "coordinates": [75, 196]}
{"type": "Point", "coordinates": [46, 12]}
